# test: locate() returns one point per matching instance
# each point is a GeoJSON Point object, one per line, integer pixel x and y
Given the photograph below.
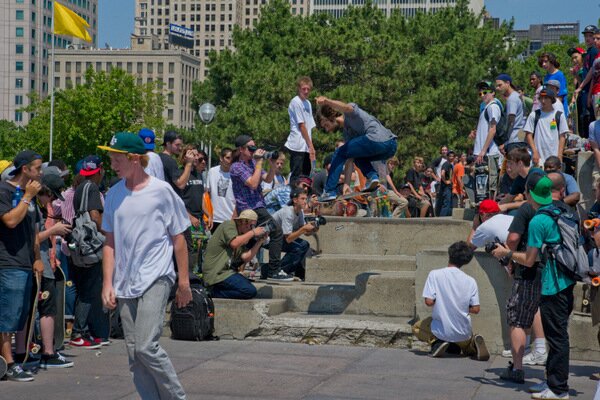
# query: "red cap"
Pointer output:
{"type": "Point", "coordinates": [488, 207]}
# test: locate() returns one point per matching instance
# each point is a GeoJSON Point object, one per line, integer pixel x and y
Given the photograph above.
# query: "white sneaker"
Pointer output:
{"type": "Point", "coordinates": [506, 353]}
{"type": "Point", "coordinates": [549, 394]}
{"type": "Point", "coordinates": [535, 358]}
{"type": "Point", "coordinates": [540, 387]}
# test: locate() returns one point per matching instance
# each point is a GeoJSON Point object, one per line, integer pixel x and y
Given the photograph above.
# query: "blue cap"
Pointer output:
{"type": "Point", "coordinates": [148, 137]}
{"type": "Point", "coordinates": [504, 77]}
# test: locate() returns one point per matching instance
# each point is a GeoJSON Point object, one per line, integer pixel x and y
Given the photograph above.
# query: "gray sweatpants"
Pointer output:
{"type": "Point", "coordinates": [153, 374]}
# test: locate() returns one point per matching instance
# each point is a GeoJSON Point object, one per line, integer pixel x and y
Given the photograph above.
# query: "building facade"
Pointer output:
{"type": "Point", "coordinates": [408, 8]}
{"type": "Point", "coordinates": [541, 34]}
{"type": "Point", "coordinates": [175, 69]}
{"type": "Point", "coordinates": [26, 27]}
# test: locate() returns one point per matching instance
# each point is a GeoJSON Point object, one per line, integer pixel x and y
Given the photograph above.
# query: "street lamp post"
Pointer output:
{"type": "Point", "coordinates": [207, 113]}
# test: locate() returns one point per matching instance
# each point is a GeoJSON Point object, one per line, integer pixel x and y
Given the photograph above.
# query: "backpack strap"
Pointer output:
{"type": "Point", "coordinates": [485, 110]}
{"type": "Point", "coordinates": [557, 116]}
{"type": "Point", "coordinates": [84, 197]}
{"type": "Point", "coordinates": [538, 114]}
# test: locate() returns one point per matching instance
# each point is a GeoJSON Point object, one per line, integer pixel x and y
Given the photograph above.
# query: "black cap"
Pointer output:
{"type": "Point", "coordinates": [170, 136]}
{"type": "Point", "coordinates": [24, 158]}
{"type": "Point", "coordinates": [54, 183]}
{"type": "Point", "coordinates": [296, 191]}
{"type": "Point", "coordinates": [590, 29]}
{"type": "Point", "coordinates": [242, 140]}
{"type": "Point", "coordinates": [485, 85]}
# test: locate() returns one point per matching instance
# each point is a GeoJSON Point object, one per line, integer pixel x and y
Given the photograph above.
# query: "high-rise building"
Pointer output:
{"type": "Point", "coordinates": [26, 27]}
{"type": "Point", "coordinates": [408, 8]}
{"type": "Point", "coordinates": [541, 34]}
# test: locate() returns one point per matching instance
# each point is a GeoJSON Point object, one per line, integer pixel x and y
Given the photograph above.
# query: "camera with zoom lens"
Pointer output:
{"type": "Point", "coordinates": [268, 226]}
{"type": "Point", "coordinates": [491, 246]}
{"type": "Point", "coordinates": [316, 220]}
{"type": "Point", "coordinates": [271, 155]}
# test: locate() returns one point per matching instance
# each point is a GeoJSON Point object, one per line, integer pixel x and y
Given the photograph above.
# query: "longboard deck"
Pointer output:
{"type": "Point", "coordinates": [59, 320]}
{"type": "Point", "coordinates": [32, 317]}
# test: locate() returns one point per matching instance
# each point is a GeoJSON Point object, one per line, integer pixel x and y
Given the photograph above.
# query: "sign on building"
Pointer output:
{"type": "Point", "coordinates": [181, 36]}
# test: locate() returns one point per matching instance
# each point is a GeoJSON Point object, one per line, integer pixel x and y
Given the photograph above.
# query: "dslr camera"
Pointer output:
{"type": "Point", "coordinates": [491, 246]}
{"type": "Point", "coordinates": [269, 155]}
{"type": "Point", "coordinates": [268, 226]}
{"type": "Point", "coordinates": [316, 220]}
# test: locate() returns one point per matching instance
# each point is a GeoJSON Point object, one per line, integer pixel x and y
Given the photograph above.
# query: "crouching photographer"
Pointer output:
{"type": "Point", "coordinates": [292, 222]}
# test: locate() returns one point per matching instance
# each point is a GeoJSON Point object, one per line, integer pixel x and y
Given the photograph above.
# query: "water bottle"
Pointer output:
{"type": "Point", "coordinates": [17, 196]}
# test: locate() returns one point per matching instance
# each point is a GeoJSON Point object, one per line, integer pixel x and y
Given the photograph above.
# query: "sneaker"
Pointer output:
{"type": "Point", "coordinates": [535, 358]}
{"type": "Point", "coordinates": [372, 184]}
{"type": "Point", "coordinates": [540, 387]}
{"type": "Point", "coordinates": [84, 343]}
{"type": "Point", "coordinates": [438, 348]}
{"type": "Point", "coordinates": [55, 360]}
{"type": "Point", "coordinates": [32, 361]}
{"type": "Point", "coordinates": [549, 394]}
{"type": "Point", "coordinates": [16, 374]}
{"type": "Point", "coordinates": [100, 341]}
{"type": "Point", "coordinates": [326, 197]}
{"type": "Point", "coordinates": [513, 375]}
{"type": "Point", "coordinates": [506, 353]}
{"type": "Point", "coordinates": [482, 352]}
{"type": "Point", "coordinates": [280, 277]}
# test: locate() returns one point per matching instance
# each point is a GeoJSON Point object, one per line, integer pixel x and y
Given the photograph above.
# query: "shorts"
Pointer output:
{"type": "Point", "coordinates": [48, 307]}
{"type": "Point", "coordinates": [523, 302]}
{"type": "Point", "coordinates": [15, 298]}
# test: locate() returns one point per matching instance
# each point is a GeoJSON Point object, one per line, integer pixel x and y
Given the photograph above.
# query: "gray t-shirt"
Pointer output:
{"type": "Point", "coordinates": [514, 106]}
{"type": "Point", "coordinates": [288, 220]}
{"type": "Point", "coordinates": [359, 122]}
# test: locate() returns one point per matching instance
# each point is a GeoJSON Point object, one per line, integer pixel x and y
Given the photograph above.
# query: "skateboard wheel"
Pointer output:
{"type": "Point", "coordinates": [585, 302]}
{"type": "Point", "coordinates": [35, 348]}
{"type": "Point", "coordinates": [44, 295]}
{"type": "Point", "coordinates": [351, 209]}
{"type": "Point", "coordinates": [339, 208]}
{"type": "Point", "coordinates": [596, 281]}
{"type": "Point", "coordinates": [69, 283]}
{"type": "Point", "coordinates": [68, 332]}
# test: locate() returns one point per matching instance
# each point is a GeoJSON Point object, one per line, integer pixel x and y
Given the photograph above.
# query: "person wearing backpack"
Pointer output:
{"type": "Point", "coordinates": [88, 278]}
{"type": "Point", "coordinates": [485, 146]}
{"type": "Point", "coordinates": [546, 129]}
{"type": "Point", "coordinates": [556, 301]}
{"type": "Point", "coordinates": [514, 107]}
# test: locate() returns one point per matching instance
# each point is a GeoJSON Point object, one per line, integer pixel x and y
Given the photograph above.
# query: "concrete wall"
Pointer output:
{"type": "Point", "coordinates": [585, 167]}
{"type": "Point", "coordinates": [387, 236]}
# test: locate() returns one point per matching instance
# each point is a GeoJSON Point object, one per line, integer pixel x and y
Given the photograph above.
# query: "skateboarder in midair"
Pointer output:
{"type": "Point", "coordinates": [365, 140]}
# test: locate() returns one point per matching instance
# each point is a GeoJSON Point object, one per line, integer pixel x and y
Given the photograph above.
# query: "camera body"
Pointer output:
{"type": "Point", "coordinates": [268, 226]}
{"type": "Point", "coordinates": [491, 246]}
{"type": "Point", "coordinates": [316, 220]}
{"type": "Point", "coordinates": [271, 155]}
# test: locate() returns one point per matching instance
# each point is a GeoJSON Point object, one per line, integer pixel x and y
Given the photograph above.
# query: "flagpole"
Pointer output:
{"type": "Point", "coordinates": [51, 86]}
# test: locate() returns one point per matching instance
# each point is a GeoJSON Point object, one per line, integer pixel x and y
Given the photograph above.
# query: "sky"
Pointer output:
{"type": "Point", "coordinates": [116, 16]}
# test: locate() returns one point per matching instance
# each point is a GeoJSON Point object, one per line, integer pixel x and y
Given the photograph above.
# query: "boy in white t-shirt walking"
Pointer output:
{"type": "Point", "coordinates": [299, 142]}
{"type": "Point", "coordinates": [453, 296]}
{"type": "Point", "coordinates": [144, 221]}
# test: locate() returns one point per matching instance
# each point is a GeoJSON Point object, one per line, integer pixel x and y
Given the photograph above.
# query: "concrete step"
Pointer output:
{"type": "Point", "coordinates": [345, 267]}
{"type": "Point", "coordinates": [386, 236]}
{"type": "Point", "coordinates": [341, 329]}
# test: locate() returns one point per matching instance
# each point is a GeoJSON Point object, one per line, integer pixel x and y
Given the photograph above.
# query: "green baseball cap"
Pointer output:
{"type": "Point", "coordinates": [125, 142]}
{"type": "Point", "coordinates": [540, 189]}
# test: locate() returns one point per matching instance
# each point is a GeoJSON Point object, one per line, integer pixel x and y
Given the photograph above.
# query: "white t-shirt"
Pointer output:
{"type": "Point", "coordinates": [546, 135]}
{"type": "Point", "coordinates": [454, 292]}
{"type": "Point", "coordinates": [558, 106]}
{"type": "Point", "coordinates": [155, 166]}
{"type": "Point", "coordinates": [493, 112]}
{"type": "Point", "coordinates": [288, 220]}
{"type": "Point", "coordinates": [300, 113]}
{"type": "Point", "coordinates": [218, 184]}
{"type": "Point", "coordinates": [495, 227]}
{"type": "Point", "coordinates": [514, 106]}
{"type": "Point", "coordinates": [143, 223]}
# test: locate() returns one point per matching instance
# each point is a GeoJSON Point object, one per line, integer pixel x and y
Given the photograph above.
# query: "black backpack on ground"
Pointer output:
{"type": "Point", "coordinates": [196, 321]}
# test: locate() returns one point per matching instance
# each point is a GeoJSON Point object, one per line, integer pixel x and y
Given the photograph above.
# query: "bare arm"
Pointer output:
{"type": "Point", "coordinates": [572, 199]}
{"type": "Point", "coordinates": [337, 105]}
{"type": "Point", "coordinates": [304, 230]}
{"type": "Point", "coordinates": [307, 139]}
{"type": "Point", "coordinates": [249, 255]}
{"type": "Point", "coordinates": [97, 218]}
{"type": "Point", "coordinates": [14, 217]}
{"type": "Point", "coordinates": [109, 299]}
{"type": "Point", "coordinates": [561, 146]}
{"type": "Point", "coordinates": [244, 238]}
{"type": "Point", "coordinates": [183, 295]}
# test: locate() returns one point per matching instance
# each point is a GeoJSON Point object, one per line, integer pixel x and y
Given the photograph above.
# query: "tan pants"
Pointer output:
{"type": "Point", "coordinates": [422, 330]}
{"type": "Point", "coordinates": [400, 202]}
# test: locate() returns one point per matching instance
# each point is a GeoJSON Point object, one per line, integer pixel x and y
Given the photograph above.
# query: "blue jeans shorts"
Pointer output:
{"type": "Point", "coordinates": [15, 298]}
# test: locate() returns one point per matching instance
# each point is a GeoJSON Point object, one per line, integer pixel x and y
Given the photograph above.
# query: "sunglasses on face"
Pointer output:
{"type": "Point", "coordinates": [484, 92]}
{"type": "Point", "coordinates": [252, 149]}
{"type": "Point", "coordinates": [201, 159]}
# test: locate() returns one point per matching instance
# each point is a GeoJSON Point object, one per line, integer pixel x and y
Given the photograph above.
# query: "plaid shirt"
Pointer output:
{"type": "Point", "coordinates": [245, 197]}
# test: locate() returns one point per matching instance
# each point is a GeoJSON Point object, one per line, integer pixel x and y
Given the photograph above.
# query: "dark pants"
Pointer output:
{"type": "Point", "coordinates": [443, 202]}
{"type": "Point", "coordinates": [88, 306]}
{"type": "Point", "coordinates": [299, 163]}
{"type": "Point", "coordinates": [234, 287]}
{"type": "Point", "coordinates": [295, 257]}
{"type": "Point", "coordinates": [555, 312]}
{"type": "Point", "coordinates": [275, 242]}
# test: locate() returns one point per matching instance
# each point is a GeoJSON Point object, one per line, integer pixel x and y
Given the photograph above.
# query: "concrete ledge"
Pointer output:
{"type": "Point", "coordinates": [310, 297]}
{"type": "Point", "coordinates": [234, 319]}
{"type": "Point", "coordinates": [384, 293]}
{"type": "Point", "coordinates": [346, 267]}
{"type": "Point", "coordinates": [583, 338]}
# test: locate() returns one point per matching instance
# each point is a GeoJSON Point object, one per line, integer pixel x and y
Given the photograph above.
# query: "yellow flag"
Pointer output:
{"type": "Point", "coordinates": [67, 22]}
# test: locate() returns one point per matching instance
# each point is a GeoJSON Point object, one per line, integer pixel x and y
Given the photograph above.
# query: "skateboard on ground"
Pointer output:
{"type": "Point", "coordinates": [59, 320]}
{"type": "Point", "coordinates": [32, 346]}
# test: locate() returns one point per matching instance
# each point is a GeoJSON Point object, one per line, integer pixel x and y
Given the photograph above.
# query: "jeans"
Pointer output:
{"type": "Point", "coordinates": [234, 287]}
{"type": "Point", "coordinates": [89, 314]}
{"type": "Point", "coordinates": [555, 312]}
{"type": "Point", "coordinates": [153, 373]}
{"type": "Point", "coordinates": [299, 163]}
{"type": "Point", "coordinates": [443, 203]}
{"type": "Point", "coordinates": [275, 242]}
{"type": "Point", "coordinates": [363, 151]}
{"type": "Point", "coordinates": [15, 298]}
{"type": "Point", "coordinates": [295, 257]}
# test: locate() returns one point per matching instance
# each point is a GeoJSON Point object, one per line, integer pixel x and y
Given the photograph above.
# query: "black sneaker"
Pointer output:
{"type": "Point", "coordinates": [16, 374]}
{"type": "Point", "coordinates": [55, 360]}
{"type": "Point", "coordinates": [438, 348]}
{"type": "Point", "coordinates": [513, 375]}
{"type": "Point", "coordinates": [482, 352]}
{"type": "Point", "coordinates": [280, 277]}
{"type": "Point", "coordinates": [32, 361]}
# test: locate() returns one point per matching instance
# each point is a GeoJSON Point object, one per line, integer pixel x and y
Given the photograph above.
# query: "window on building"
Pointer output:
{"type": "Point", "coordinates": [19, 83]}
{"type": "Point", "coordinates": [140, 68]}
{"type": "Point", "coordinates": [160, 68]}
{"type": "Point", "coordinates": [19, 49]}
{"type": "Point", "coordinates": [20, 15]}
{"type": "Point", "coordinates": [33, 68]}
{"type": "Point", "coordinates": [68, 67]}
{"type": "Point", "coordinates": [18, 100]}
{"type": "Point", "coordinates": [18, 116]}
{"type": "Point", "coordinates": [171, 68]}
{"type": "Point", "coordinates": [98, 66]}
{"type": "Point", "coordinates": [19, 32]}
{"type": "Point", "coordinates": [171, 83]}
{"type": "Point", "coordinates": [129, 68]}
{"type": "Point", "coordinates": [170, 114]}
{"type": "Point", "coordinates": [78, 67]}
{"type": "Point", "coordinates": [32, 87]}
{"type": "Point", "coordinates": [150, 68]}
{"type": "Point", "coordinates": [56, 82]}
{"type": "Point", "coordinates": [19, 65]}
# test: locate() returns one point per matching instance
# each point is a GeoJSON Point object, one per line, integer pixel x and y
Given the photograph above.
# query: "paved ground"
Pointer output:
{"type": "Point", "coordinates": [228, 370]}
